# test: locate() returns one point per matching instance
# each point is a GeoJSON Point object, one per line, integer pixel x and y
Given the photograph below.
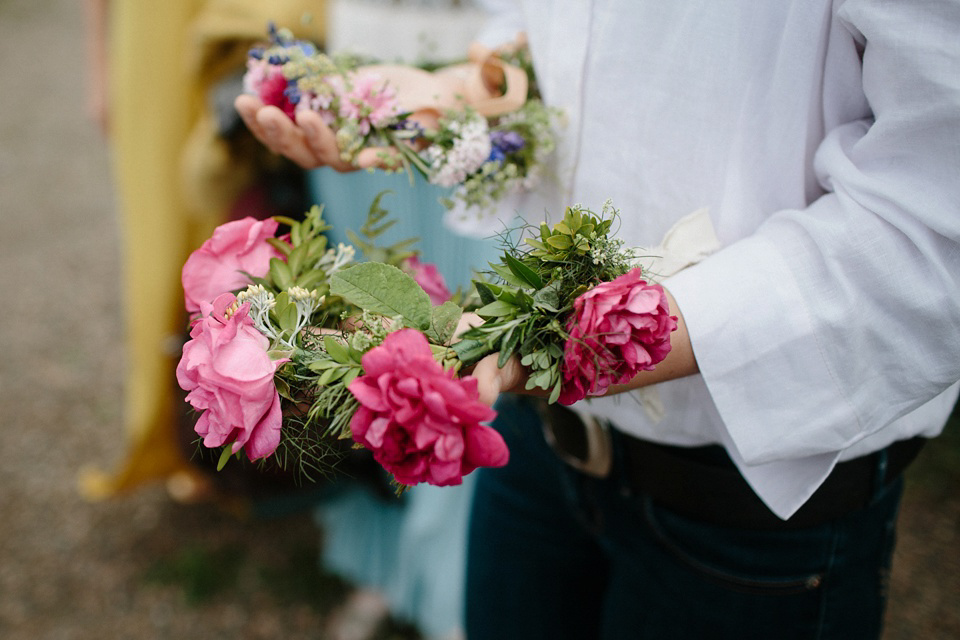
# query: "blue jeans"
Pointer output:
{"type": "Point", "coordinates": [557, 554]}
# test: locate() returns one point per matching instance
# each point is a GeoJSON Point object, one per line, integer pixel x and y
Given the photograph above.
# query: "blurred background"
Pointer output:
{"type": "Point", "coordinates": [137, 563]}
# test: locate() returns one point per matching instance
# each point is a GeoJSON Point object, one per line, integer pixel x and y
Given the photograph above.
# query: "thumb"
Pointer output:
{"type": "Point", "coordinates": [492, 380]}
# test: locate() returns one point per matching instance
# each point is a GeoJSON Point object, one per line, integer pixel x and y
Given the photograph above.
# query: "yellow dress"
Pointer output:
{"type": "Point", "coordinates": [174, 183]}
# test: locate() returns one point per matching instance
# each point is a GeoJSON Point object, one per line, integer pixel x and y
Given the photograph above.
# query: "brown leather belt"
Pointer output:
{"type": "Point", "coordinates": [703, 483]}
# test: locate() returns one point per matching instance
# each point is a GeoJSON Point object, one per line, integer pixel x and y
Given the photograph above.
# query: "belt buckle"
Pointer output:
{"type": "Point", "coordinates": [581, 441]}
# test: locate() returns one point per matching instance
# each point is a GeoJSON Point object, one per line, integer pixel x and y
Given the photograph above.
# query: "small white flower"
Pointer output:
{"type": "Point", "coordinates": [471, 148]}
{"type": "Point", "coordinates": [261, 302]}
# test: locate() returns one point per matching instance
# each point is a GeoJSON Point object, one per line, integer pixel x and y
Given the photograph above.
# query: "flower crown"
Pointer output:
{"type": "Point", "coordinates": [483, 152]}
{"type": "Point", "coordinates": [314, 350]}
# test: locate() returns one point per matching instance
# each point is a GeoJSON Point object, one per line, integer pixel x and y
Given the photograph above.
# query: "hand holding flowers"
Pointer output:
{"type": "Point", "coordinates": [335, 112]}
{"type": "Point", "coordinates": [575, 310]}
{"type": "Point", "coordinates": [569, 314]}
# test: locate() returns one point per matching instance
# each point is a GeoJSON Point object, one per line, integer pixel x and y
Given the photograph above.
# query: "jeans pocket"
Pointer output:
{"type": "Point", "coordinates": [755, 562]}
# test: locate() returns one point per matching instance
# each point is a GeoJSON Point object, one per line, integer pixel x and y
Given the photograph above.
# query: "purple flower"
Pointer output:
{"type": "Point", "coordinates": [507, 141]}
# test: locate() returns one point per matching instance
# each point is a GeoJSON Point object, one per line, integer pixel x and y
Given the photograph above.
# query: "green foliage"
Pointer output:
{"type": "Point", "coordinates": [525, 310]}
{"type": "Point", "coordinates": [311, 290]}
{"type": "Point", "coordinates": [376, 224]}
{"type": "Point", "coordinates": [384, 289]}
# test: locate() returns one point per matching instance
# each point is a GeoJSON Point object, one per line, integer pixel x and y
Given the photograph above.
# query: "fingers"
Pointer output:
{"type": "Point", "coordinates": [321, 141]}
{"type": "Point", "coordinates": [248, 106]}
{"type": "Point", "coordinates": [277, 132]}
{"type": "Point", "coordinates": [309, 142]}
{"type": "Point", "coordinates": [468, 320]}
{"type": "Point", "coordinates": [488, 381]}
{"type": "Point", "coordinates": [379, 158]}
{"type": "Point", "coordinates": [283, 136]}
{"type": "Point", "coordinates": [492, 380]}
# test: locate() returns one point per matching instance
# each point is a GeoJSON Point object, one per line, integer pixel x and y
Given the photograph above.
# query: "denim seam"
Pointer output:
{"type": "Point", "coordinates": [784, 587]}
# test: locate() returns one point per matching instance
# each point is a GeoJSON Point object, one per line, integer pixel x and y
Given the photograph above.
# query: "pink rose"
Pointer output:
{"type": "Point", "coordinates": [217, 266]}
{"type": "Point", "coordinates": [618, 329]}
{"type": "Point", "coordinates": [429, 278]}
{"type": "Point", "coordinates": [422, 423]}
{"type": "Point", "coordinates": [229, 377]}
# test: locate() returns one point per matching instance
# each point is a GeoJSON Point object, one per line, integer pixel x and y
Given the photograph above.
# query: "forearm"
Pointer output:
{"type": "Point", "coordinates": [679, 363]}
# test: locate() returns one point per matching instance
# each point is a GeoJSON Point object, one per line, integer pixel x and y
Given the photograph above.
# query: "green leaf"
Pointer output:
{"type": "Point", "coordinates": [320, 365]}
{"type": "Point", "coordinates": [279, 354]}
{"type": "Point", "coordinates": [508, 345]}
{"type": "Point", "coordinates": [263, 282]}
{"type": "Point", "coordinates": [544, 231]}
{"type": "Point", "coordinates": [310, 279]}
{"type": "Point", "coordinates": [296, 260]}
{"type": "Point", "coordinates": [353, 373]}
{"type": "Point", "coordinates": [496, 309]}
{"type": "Point", "coordinates": [443, 322]}
{"type": "Point", "coordinates": [285, 220]}
{"type": "Point", "coordinates": [523, 272]}
{"type": "Point", "coordinates": [509, 295]}
{"type": "Point", "coordinates": [336, 349]}
{"type": "Point", "coordinates": [536, 244]}
{"type": "Point", "coordinates": [555, 394]}
{"type": "Point", "coordinates": [554, 350]}
{"type": "Point", "coordinates": [384, 289]}
{"type": "Point", "coordinates": [470, 350]}
{"type": "Point", "coordinates": [561, 227]}
{"type": "Point", "coordinates": [328, 377]}
{"type": "Point", "coordinates": [538, 380]}
{"type": "Point", "coordinates": [317, 247]}
{"type": "Point", "coordinates": [279, 245]}
{"type": "Point", "coordinates": [548, 298]}
{"type": "Point", "coordinates": [504, 272]}
{"type": "Point", "coordinates": [280, 274]}
{"type": "Point", "coordinates": [355, 355]}
{"type": "Point", "coordinates": [560, 242]}
{"type": "Point", "coordinates": [285, 312]}
{"type": "Point", "coordinates": [224, 456]}
{"type": "Point", "coordinates": [295, 236]}
{"type": "Point", "coordinates": [524, 300]}
{"type": "Point", "coordinates": [487, 291]}
{"type": "Point", "coordinates": [283, 388]}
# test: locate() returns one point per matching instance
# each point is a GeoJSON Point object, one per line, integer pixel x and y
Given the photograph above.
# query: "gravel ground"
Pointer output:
{"type": "Point", "coordinates": [143, 566]}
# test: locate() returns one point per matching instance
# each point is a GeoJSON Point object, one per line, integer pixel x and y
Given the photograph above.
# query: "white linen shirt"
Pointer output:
{"type": "Point", "coordinates": [824, 139]}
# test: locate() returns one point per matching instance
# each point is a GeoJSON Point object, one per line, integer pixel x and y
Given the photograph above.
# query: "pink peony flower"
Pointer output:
{"type": "Point", "coordinates": [229, 377]}
{"type": "Point", "coordinates": [217, 266]}
{"type": "Point", "coordinates": [618, 329]}
{"type": "Point", "coordinates": [422, 423]}
{"type": "Point", "coordinates": [429, 278]}
{"type": "Point", "coordinates": [367, 100]}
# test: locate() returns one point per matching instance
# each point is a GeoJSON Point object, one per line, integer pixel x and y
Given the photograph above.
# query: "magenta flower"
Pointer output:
{"type": "Point", "coordinates": [429, 278]}
{"type": "Point", "coordinates": [218, 265]}
{"type": "Point", "coordinates": [618, 329]}
{"type": "Point", "coordinates": [422, 423]}
{"type": "Point", "coordinates": [267, 82]}
{"type": "Point", "coordinates": [229, 377]}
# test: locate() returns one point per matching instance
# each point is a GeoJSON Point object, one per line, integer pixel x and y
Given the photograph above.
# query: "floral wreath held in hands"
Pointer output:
{"type": "Point", "coordinates": [477, 127]}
